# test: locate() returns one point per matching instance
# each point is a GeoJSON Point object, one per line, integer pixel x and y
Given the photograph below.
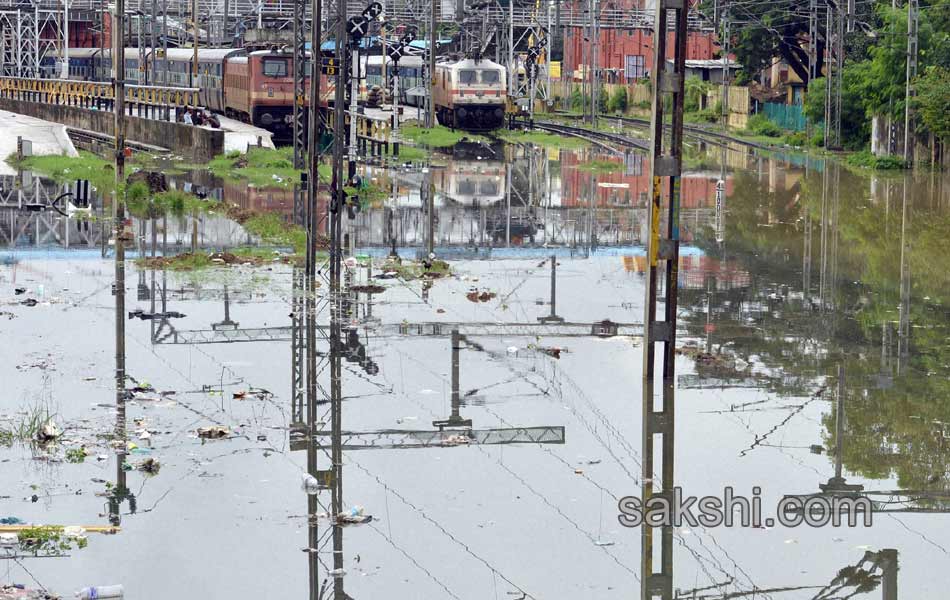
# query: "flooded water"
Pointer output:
{"type": "Point", "coordinates": [490, 420]}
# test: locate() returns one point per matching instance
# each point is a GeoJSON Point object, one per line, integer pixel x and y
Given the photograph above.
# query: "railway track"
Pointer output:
{"type": "Point", "coordinates": [600, 138]}
{"type": "Point", "coordinates": [696, 132]}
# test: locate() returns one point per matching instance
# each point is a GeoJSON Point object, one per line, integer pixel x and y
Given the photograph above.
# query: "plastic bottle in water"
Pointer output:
{"type": "Point", "coordinates": [100, 591]}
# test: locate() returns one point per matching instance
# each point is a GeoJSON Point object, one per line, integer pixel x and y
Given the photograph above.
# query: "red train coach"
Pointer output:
{"type": "Point", "coordinates": [259, 89]}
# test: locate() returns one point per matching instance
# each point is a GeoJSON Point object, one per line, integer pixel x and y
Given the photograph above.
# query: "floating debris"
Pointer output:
{"type": "Point", "coordinates": [213, 432]}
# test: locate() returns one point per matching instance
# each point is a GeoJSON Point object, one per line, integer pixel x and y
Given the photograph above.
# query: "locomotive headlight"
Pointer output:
{"type": "Point", "coordinates": [270, 92]}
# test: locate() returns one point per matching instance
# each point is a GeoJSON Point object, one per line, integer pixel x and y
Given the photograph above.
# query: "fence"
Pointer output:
{"type": "Point", "coordinates": [786, 116]}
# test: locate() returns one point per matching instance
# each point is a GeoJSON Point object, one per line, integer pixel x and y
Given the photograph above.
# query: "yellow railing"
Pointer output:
{"type": "Point", "coordinates": [69, 92]}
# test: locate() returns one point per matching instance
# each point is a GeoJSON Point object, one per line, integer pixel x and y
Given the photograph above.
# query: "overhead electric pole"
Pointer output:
{"type": "Point", "coordinates": [430, 114]}
{"type": "Point", "coordinates": [118, 217]}
{"type": "Point", "coordinates": [912, 25]}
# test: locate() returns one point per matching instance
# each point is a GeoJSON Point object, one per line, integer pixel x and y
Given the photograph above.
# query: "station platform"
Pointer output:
{"type": "Point", "coordinates": [47, 138]}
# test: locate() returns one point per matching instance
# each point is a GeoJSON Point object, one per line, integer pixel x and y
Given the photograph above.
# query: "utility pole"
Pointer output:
{"type": "Point", "coordinates": [430, 115]}
{"type": "Point", "coordinates": [725, 65]}
{"type": "Point", "coordinates": [165, 42]}
{"type": "Point", "coordinates": [300, 107]}
{"type": "Point", "coordinates": [152, 41]}
{"type": "Point", "coordinates": [812, 40]}
{"type": "Point", "coordinates": [194, 30]}
{"type": "Point", "coordinates": [666, 173]}
{"type": "Point", "coordinates": [912, 25]}
{"type": "Point", "coordinates": [315, 129]}
{"type": "Point", "coordinates": [595, 62]}
{"type": "Point", "coordinates": [64, 68]}
{"type": "Point", "coordinates": [118, 215]}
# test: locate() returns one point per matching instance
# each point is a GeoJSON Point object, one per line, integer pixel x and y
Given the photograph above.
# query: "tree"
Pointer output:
{"type": "Point", "coordinates": [933, 101]}
{"type": "Point", "coordinates": [695, 90]}
{"type": "Point", "coordinates": [618, 101]}
{"type": "Point", "coordinates": [855, 127]}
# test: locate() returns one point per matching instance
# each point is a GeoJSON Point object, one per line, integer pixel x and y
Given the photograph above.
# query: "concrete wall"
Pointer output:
{"type": "Point", "coordinates": [194, 143]}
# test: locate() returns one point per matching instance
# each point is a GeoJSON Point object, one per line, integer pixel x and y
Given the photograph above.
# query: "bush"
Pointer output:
{"type": "Point", "coordinates": [618, 101]}
{"type": "Point", "coordinates": [881, 163]}
{"type": "Point", "coordinates": [577, 100]}
{"type": "Point", "coordinates": [709, 115]}
{"type": "Point", "coordinates": [796, 139]}
{"type": "Point", "coordinates": [818, 139]}
{"type": "Point", "coordinates": [760, 125]}
{"type": "Point", "coordinates": [603, 99]}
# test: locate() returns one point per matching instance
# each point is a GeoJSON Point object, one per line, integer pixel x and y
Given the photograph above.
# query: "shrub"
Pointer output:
{"type": "Point", "coordinates": [618, 101]}
{"type": "Point", "coordinates": [760, 125]}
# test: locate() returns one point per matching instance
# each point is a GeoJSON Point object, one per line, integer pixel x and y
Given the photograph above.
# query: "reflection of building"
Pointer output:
{"type": "Point", "coordinates": [696, 269]}
{"type": "Point", "coordinates": [246, 197]}
{"type": "Point", "coordinates": [630, 185]}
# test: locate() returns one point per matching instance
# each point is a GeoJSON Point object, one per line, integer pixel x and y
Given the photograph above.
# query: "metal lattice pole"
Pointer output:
{"type": "Point", "coordinates": [665, 169]}
{"type": "Point", "coordinates": [912, 26]}
{"type": "Point", "coordinates": [300, 106]}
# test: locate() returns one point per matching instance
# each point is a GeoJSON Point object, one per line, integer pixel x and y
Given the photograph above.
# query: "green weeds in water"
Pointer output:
{"type": "Point", "coordinates": [64, 169]}
{"type": "Point", "coordinates": [867, 160]}
{"type": "Point", "coordinates": [75, 455]}
{"type": "Point", "coordinates": [540, 138]}
{"type": "Point", "coordinates": [601, 166]}
{"type": "Point", "coordinates": [260, 167]}
{"type": "Point", "coordinates": [48, 540]}
{"type": "Point", "coordinates": [274, 230]}
{"type": "Point", "coordinates": [437, 137]}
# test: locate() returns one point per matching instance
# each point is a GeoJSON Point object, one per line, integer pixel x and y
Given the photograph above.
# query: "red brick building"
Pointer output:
{"type": "Point", "coordinates": [626, 54]}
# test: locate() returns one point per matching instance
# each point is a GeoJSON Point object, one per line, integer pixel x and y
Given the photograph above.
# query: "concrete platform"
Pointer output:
{"type": "Point", "coordinates": [238, 135]}
{"type": "Point", "coordinates": [47, 138]}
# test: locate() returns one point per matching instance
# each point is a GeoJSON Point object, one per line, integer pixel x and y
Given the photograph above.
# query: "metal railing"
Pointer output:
{"type": "Point", "coordinates": [148, 101]}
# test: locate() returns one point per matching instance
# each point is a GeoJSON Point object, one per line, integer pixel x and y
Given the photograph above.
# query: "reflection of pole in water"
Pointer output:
{"type": "Point", "coordinates": [903, 327]}
{"type": "Point", "coordinates": [553, 317]}
{"type": "Point", "coordinates": [657, 583]}
{"type": "Point", "coordinates": [806, 261]}
{"type": "Point", "coordinates": [823, 270]}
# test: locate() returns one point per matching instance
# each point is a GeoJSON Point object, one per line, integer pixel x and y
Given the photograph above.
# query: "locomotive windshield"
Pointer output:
{"type": "Point", "coordinates": [468, 77]}
{"type": "Point", "coordinates": [490, 77]}
{"type": "Point", "coordinates": [275, 67]}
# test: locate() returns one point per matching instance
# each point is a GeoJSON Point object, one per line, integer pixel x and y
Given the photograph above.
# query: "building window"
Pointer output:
{"type": "Point", "coordinates": [633, 67]}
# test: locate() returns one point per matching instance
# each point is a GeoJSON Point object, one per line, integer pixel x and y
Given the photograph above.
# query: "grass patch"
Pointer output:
{"type": "Point", "coordinates": [437, 137]}
{"type": "Point", "coordinates": [260, 167]}
{"type": "Point", "coordinates": [64, 169]}
{"type": "Point", "coordinates": [866, 160]}
{"type": "Point", "coordinates": [760, 125]}
{"type": "Point", "coordinates": [409, 153]}
{"type": "Point", "coordinates": [601, 166]}
{"type": "Point", "coordinates": [179, 262]}
{"type": "Point", "coordinates": [541, 138]}
{"type": "Point", "coordinates": [274, 230]}
{"type": "Point", "coordinates": [408, 271]}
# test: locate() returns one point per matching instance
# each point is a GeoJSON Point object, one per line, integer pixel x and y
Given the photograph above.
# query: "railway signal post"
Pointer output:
{"type": "Point", "coordinates": [662, 253]}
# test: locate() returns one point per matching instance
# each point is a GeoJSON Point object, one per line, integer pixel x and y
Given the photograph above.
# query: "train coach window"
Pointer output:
{"type": "Point", "coordinates": [488, 188]}
{"type": "Point", "coordinates": [490, 77]}
{"type": "Point", "coordinates": [275, 67]}
{"type": "Point", "coordinates": [468, 77]}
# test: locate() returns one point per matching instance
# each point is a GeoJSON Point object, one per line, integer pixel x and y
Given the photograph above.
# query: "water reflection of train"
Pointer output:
{"type": "Point", "coordinates": [471, 182]}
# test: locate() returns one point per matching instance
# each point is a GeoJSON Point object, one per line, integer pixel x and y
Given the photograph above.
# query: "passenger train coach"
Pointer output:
{"type": "Point", "coordinates": [258, 87]}
{"type": "Point", "coordinates": [255, 87]}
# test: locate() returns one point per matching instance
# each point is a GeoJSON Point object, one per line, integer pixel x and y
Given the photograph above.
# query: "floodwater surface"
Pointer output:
{"type": "Point", "coordinates": [491, 419]}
